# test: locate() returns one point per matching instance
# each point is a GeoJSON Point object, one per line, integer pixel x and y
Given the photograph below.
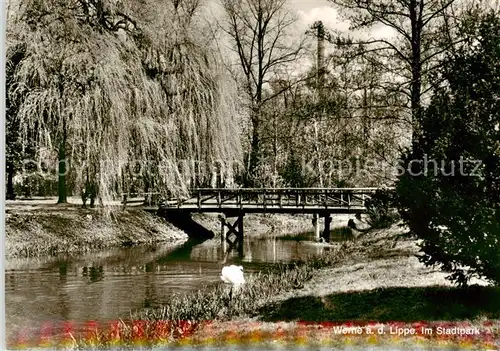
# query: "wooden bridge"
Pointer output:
{"type": "Point", "coordinates": [235, 203]}
{"type": "Point", "coordinates": [273, 200]}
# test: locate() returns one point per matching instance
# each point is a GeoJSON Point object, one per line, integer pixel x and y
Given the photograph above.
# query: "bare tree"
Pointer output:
{"type": "Point", "coordinates": [260, 33]}
{"type": "Point", "coordinates": [418, 25]}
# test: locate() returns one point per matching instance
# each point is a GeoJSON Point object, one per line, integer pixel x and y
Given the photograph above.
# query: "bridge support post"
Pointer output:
{"type": "Point", "coordinates": [223, 242]}
{"type": "Point", "coordinates": [315, 222]}
{"type": "Point", "coordinates": [240, 237]}
{"type": "Point", "coordinates": [232, 233]}
{"type": "Point", "coordinates": [326, 232]}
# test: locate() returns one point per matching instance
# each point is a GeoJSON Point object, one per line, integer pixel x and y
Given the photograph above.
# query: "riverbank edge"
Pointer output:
{"type": "Point", "coordinates": [379, 260]}
{"type": "Point", "coordinates": [37, 230]}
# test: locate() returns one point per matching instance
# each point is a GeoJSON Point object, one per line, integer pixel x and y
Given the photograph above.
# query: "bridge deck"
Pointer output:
{"type": "Point", "coordinates": [282, 200]}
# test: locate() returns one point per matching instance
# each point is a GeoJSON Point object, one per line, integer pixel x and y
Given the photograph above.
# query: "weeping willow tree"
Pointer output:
{"type": "Point", "coordinates": [113, 86]}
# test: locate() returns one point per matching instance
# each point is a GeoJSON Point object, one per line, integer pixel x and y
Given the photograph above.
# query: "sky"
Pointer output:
{"type": "Point", "coordinates": [309, 11]}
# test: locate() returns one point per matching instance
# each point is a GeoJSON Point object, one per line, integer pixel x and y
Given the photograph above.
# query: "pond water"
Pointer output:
{"type": "Point", "coordinates": [108, 285]}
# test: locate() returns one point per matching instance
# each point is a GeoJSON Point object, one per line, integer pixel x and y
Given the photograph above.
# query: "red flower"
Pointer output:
{"type": "Point", "coordinates": [162, 329]}
{"type": "Point", "coordinates": [184, 329]}
{"type": "Point", "coordinates": [114, 330]}
{"type": "Point", "coordinates": [91, 330]}
{"type": "Point", "coordinates": [46, 332]}
{"type": "Point", "coordinates": [68, 327]}
{"type": "Point", "coordinates": [138, 328]}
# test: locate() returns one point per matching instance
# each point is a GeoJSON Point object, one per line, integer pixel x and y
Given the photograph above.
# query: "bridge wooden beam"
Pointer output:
{"type": "Point", "coordinates": [227, 229]}
{"type": "Point", "coordinates": [326, 231]}
{"type": "Point", "coordinates": [315, 222]}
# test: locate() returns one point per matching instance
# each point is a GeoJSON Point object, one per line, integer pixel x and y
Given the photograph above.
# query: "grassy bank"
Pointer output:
{"type": "Point", "coordinates": [52, 230]}
{"type": "Point", "coordinates": [405, 304]}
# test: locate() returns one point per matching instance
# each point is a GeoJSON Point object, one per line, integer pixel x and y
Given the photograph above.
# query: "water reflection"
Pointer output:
{"type": "Point", "coordinates": [264, 250]}
{"type": "Point", "coordinates": [95, 274]}
{"type": "Point", "coordinates": [63, 271]}
{"type": "Point", "coordinates": [110, 284]}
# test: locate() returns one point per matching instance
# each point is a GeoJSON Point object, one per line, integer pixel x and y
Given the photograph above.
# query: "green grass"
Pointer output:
{"type": "Point", "coordinates": [392, 304]}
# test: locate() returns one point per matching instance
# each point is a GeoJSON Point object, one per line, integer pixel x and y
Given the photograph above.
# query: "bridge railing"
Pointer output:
{"type": "Point", "coordinates": [274, 198]}
{"type": "Point", "coordinates": [144, 199]}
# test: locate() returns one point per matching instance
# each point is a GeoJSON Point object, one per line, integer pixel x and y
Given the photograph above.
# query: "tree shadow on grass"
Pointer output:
{"type": "Point", "coordinates": [391, 304]}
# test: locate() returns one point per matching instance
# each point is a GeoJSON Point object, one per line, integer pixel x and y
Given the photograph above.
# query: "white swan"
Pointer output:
{"type": "Point", "coordinates": [233, 275]}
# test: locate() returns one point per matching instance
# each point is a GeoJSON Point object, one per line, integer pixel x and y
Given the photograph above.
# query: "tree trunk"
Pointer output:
{"type": "Point", "coordinates": [365, 121]}
{"type": "Point", "coordinates": [416, 11]}
{"type": "Point", "coordinates": [275, 150]}
{"type": "Point", "coordinates": [416, 87]}
{"type": "Point", "coordinates": [321, 95]}
{"type": "Point", "coordinates": [317, 150]}
{"type": "Point", "coordinates": [62, 190]}
{"type": "Point", "coordinates": [10, 181]}
{"type": "Point", "coordinates": [255, 152]}
{"type": "Point", "coordinates": [254, 155]}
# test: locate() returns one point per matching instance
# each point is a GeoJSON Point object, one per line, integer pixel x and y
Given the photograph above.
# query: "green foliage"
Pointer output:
{"type": "Point", "coordinates": [446, 200]}
{"type": "Point", "coordinates": [380, 209]}
{"type": "Point", "coordinates": [36, 184]}
{"type": "Point", "coordinates": [265, 177]}
{"type": "Point", "coordinates": [292, 173]}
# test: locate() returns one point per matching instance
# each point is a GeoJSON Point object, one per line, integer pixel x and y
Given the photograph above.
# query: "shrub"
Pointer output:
{"type": "Point", "coordinates": [380, 209]}
{"type": "Point", "coordinates": [449, 194]}
{"type": "Point", "coordinates": [35, 185]}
